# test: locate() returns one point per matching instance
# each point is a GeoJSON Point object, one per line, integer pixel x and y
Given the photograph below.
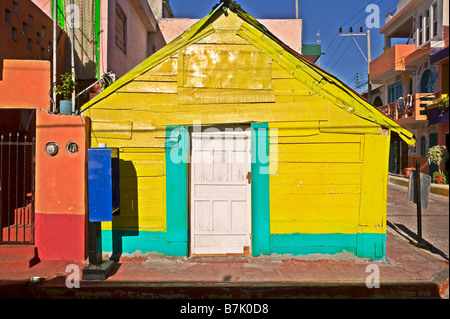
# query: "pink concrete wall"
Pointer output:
{"type": "Point", "coordinates": [288, 31]}
{"type": "Point", "coordinates": [118, 61]}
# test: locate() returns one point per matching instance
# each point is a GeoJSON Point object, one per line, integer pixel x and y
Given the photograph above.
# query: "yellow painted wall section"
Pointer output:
{"type": "Point", "coordinates": [318, 152]}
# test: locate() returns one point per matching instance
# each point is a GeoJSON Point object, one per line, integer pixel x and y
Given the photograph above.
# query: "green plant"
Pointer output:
{"type": "Point", "coordinates": [437, 154]}
{"type": "Point", "coordinates": [442, 104]}
{"type": "Point", "coordinates": [445, 177]}
{"type": "Point", "coordinates": [67, 87]}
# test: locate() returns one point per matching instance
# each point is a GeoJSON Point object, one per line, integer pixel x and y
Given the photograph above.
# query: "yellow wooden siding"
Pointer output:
{"type": "Point", "coordinates": [142, 191]}
{"type": "Point", "coordinates": [315, 180]}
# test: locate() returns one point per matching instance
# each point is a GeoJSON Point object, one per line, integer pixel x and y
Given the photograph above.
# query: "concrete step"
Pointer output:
{"type": "Point", "coordinates": [17, 256]}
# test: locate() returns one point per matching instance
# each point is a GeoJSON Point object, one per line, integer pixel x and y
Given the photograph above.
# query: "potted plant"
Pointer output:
{"type": "Point", "coordinates": [438, 154]}
{"type": "Point", "coordinates": [66, 88]}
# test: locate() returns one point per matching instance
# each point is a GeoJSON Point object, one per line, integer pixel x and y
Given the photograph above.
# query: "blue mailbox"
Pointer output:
{"type": "Point", "coordinates": [103, 183]}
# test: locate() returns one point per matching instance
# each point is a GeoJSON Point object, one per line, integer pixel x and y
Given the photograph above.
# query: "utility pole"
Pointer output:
{"type": "Point", "coordinates": [296, 9]}
{"type": "Point", "coordinates": [368, 58]}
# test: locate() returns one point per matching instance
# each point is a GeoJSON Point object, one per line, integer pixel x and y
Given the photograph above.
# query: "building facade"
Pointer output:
{"type": "Point", "coordinates": [110, 37]}
{"type": "Point", "coordinates": [411, 79]}
{"type": "Point", "coordinates": [231, 142]}
{"type": "Point", "coordinates": [26, 33]}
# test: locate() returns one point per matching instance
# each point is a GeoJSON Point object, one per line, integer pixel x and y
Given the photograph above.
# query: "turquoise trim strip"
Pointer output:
{"type": "Point", "coordinates": [130, 241]}
{"type": "Point", "coordinates": [370, 245]}
{"type": "Point", "coordinates": [260, 189]}
{"type": "Point", "coordinates": [177, 152]}
{"type": "Point", "coordinates": [373, 247]}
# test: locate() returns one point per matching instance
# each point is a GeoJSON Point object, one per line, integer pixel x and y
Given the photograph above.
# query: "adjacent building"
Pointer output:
{"type": "Point", "coordinates": [412, 78]}
{"type": "Point", "coordinates": [110, 37]}
{"type": "Point", "coordinates": [26, 33]}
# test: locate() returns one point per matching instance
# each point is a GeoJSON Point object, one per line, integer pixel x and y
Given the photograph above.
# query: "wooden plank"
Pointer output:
{"type": "Point", "coordinates": [374, 188]}
{"type": "Point", "coordinates": [149, 87]}
{"type": "Point", "coordinates": [223, 37]}
{"type": "Point", "coordinates": [330, 148]}
{"type": "Point", "coordinates": [317, 200]}
{"type": "Point", "coordinates": [223, 96]}
{"type": "Point", "coordinates": [136, 101]}
{"type": "Point", "coordinates": [167, 68]}
{"type": "Point", "coordinates": [281, 129]}
{"type": "Point", "coordinates": [112, 129]}
{"type": "Point", "coordinates": [318, 157]}
{"type": "Point", "coordinates": [321, 138]}
{"type": "Point", "coordinates": [211, 66]}
{"type": "Point", "coordinates": [316, 179]}
{"type": "Point", "coordinates": [290, 87]}
{"type": "Point", "coordinates": [324, 168]}
{"type": "Point", "coordinates": [302, 189]}
{"type": "Point", "coordinates": [279, 73]}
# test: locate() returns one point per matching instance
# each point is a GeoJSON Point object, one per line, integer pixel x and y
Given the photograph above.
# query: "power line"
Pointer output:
{"type": "Point", "coordinates": [348, 46]}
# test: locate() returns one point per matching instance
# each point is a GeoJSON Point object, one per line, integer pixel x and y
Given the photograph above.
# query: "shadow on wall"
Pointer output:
{"type": "Point", "coordinates": [127, 222]}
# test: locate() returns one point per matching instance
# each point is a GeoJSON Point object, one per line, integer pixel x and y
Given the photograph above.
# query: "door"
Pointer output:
{"type": "Point", "coordinates": [220, 218]}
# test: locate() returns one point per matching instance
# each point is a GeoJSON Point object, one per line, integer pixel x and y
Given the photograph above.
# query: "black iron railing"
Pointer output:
{"type": "Point", "coordinates": [16, 189]}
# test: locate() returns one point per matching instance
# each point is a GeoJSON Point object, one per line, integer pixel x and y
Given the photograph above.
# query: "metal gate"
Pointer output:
{"type": "Point", "coordinates": [17, 189]}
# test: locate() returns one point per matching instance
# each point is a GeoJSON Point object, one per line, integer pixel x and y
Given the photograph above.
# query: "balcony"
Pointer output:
{"type": "Point", "coordinates": [411, 109]}
{"type": "Point", "coordinates": [390, 63]}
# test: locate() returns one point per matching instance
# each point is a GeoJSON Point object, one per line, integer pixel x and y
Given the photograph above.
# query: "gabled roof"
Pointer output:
{"type": "Point", "coordinates": [256, 34]}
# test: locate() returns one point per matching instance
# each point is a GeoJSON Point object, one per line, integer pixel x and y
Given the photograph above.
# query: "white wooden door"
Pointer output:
{"type": "Point", "coordinates": [221, 193]}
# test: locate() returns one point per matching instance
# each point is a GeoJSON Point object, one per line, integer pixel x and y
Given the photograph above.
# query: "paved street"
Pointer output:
{"type": "Point", "coordinates": [402, 220]}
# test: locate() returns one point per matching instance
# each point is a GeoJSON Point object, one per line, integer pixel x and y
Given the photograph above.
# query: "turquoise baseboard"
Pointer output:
{"type": "Point", "coordinates": [130, 241]}
{"type": "Point", "coordinates": [371, 246]}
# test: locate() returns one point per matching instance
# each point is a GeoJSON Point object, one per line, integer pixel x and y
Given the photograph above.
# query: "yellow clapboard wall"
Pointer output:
{"type": "Point", "coordinates": [321, 157]}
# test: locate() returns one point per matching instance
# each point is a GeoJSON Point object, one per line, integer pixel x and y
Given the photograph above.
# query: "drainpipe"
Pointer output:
{"type": "Point", "coordinates": [72, 49]}
{"type": "Point", "coordinates": [55, 22]}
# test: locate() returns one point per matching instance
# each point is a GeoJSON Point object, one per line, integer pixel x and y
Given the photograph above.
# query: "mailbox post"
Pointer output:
{"type": "Point", "coordinates": [103, 203]}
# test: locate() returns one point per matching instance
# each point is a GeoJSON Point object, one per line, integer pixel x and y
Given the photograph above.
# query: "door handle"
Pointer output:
{"type": "Point", "coordinates": [249, 177]}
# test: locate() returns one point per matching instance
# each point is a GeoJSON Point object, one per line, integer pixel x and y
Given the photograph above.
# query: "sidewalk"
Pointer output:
{"type": "Point", "coordinates": [407, 272]}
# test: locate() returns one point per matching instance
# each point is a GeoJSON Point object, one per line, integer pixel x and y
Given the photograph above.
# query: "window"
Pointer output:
{"type": "Point", "coordinates": [15, 8]}
{"type": "Point", "coordinates": [30, 45]}
{"type": "Point", "coordinates": [24, 28]}
{"type": "Point", "coordinates": [420, 30]}
{"type": "Point", "coordinates": [30, 20]}
{"type": "Point", "coordinates": [8, 16]}
{"type": "Point", "coordinates": [427, 26]}
{"type": "Point", "coordinates": [395, 91]}
{"type": "Point", "coordinates": [38, 38]}
{"type": "Point", "coordinates": [42, 53]}
{"type": "Point", "coordinates": [44, 31]}
{"type": "Point", "coordinates": [435, 20]}
{"type": "Point", "coordinates": [121, 29]}
{"type": "Point", "coordinates": [14, 34]}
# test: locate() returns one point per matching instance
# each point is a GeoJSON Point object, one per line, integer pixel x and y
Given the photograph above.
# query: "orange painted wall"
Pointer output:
{"type": "Point", "coordinates": [61, 204]}
{"type": "Point", "coordinates": [25, 84]}
{"type": "Point", "coordinates": [60, 181]}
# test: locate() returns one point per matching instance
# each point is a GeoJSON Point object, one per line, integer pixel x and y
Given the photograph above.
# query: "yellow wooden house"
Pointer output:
{"type": "Point", "coordinates": [232, 143]}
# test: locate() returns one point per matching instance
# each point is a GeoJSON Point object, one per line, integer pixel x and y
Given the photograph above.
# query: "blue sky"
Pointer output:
{"type": "Point", "coordinates": [342, 56]}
